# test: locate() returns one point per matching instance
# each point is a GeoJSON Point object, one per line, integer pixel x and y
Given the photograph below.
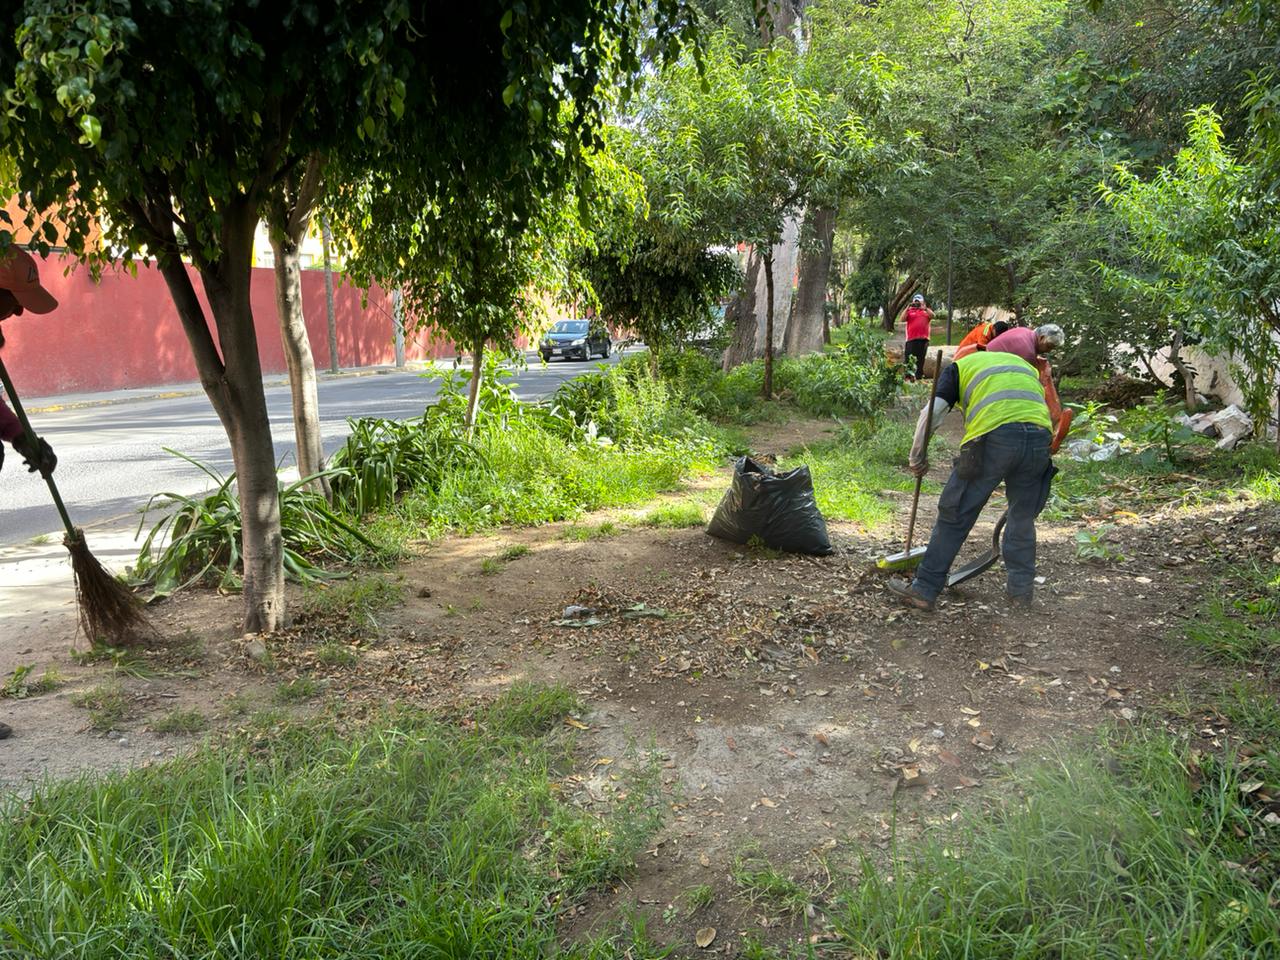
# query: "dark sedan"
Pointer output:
{"type": "Point", "coordinates": [580, 339]}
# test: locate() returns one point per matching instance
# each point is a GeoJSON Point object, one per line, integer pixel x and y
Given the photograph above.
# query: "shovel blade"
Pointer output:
{"type": "Point", "coordinates": [902, 560]}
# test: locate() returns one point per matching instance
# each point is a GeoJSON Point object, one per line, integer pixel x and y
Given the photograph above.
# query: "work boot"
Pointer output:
{"type": "Point", "coordinates": [905, 591]}
{"type": "Point", "coordinates": [6, 731]}
{"type": "Point", "coordinates": [1020, 601]}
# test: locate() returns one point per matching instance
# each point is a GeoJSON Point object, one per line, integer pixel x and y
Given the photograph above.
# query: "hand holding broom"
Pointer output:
{"type": "Point", "coordinates": [109, 612]}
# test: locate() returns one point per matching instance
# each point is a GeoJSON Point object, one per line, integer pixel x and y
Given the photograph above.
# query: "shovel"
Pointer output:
{"type": "Point", "coordinates": [908, 558]}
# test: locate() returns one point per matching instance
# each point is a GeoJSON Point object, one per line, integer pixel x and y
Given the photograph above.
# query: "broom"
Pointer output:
{"type": "Point", "coordinates": [909, 558]}
{"type": "Point", "coordinates": [108, 610]}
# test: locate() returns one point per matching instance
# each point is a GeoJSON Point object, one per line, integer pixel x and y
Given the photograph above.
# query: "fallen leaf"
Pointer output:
{"type": "Point", "coordinates": [811, 653]}
{"type": "Point", "coordinates": [704, 937]}
{"type": "Point", "coordinates": [575, 723]}
{"type": "Point", "coordinates": [766, 802]}
{"type": "Point", "coordinates": [967, 781]}
{"type": "Point", "coordinates": [974, 722]}
{"type": "Point", "coordinates": [983, 666]}
{"type": "Point", "coordinates": [604, 761]}
{"type": "Point", "coordinates": [822, 739]}
{"type": "Point", "coordinates": [970, 712]}
{"type": "Point", "coordinates": [731, 743]}
{"type": "Point", "coordinates": [914, 745]}
{"type": "Point", "coordinates": [984, 740]}
{"type": "Point", "coordinates": [910, 773]}
{"type": "Point", "coordinates": [1253, 786]}
{"type": "Point", "coordinates": [946, 756]}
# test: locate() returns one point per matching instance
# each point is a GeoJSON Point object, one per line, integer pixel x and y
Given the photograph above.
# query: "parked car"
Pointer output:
{"type": "Point", "coordinates": [581, 339]}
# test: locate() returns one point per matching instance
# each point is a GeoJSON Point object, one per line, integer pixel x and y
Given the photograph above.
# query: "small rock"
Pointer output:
{"type": "Point", "coordinates": [123, 741]}
{"type": "Point", "coordinates": [424, 592]}
{"type": "Point", "coordinates": [256, 649]}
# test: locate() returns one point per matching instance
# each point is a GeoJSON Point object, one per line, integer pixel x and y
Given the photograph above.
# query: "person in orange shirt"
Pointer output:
{"type": "Point", "coordinates": [980, 336]}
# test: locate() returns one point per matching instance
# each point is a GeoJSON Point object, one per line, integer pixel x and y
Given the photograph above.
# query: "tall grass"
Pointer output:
{"type": "Point", "coordinates": [421, 839]}
{"type": "Point", "coordinates": [1159, 854]}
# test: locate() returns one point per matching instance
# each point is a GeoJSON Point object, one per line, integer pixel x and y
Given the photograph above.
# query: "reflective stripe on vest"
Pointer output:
{"type": "Point", "coordinates": [999, 388]}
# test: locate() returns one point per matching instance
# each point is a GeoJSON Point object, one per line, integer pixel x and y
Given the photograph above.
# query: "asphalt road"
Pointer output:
{"type": "Point", "coordinates": [111, 458]}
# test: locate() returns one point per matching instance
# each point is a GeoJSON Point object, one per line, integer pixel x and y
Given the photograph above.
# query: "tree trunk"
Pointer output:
{"type": "Point", "coordinates": [473, 391]}
{"type": "Point", "coordinates": [807, 331]}
{"type": "Point", "coordinates": [742, 314]}
{"type": "Point", "coordinates": [301, 363]}
{"type": "Point", "coordinates": [243, 408]}
{"type": "Point", "coordinates": [768, 324]}
{"type": "Point", "coordinates": [288, 213]}
{"type": "Point", "coordinates": [785, 254]}
{"type": "Point", "coordinates": [326, 237]}
{"type": "Point", "coordinates": [1188, 378]}
{"type": "Point", "coordinates": [397, 325]}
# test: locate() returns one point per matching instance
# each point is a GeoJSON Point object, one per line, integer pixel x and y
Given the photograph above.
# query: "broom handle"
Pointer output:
{"type": "Point", "coordinates": [928, 434]}
{"type": "Point", "coordinates": [31, 435]}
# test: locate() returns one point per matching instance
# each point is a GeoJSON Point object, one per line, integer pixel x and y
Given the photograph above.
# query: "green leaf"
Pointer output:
{"type": "Point", "coordinates": [506, 22]}
{"type": "Point", "coordinates": [509, 94]}
{"type": "Point", "coordinates": [91, 129]}
{"type": "Point", "coordinates": [93, 50]}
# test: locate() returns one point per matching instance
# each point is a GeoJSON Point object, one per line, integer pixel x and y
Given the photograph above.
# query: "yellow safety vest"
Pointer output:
{"type": "Point", "coordinates": [999, 388]}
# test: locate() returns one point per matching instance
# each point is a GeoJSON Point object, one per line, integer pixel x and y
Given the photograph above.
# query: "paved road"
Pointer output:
{"type": "Point", "coordinates": [111, 457]}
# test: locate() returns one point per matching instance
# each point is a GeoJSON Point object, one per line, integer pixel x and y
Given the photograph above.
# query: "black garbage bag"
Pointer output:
{"type": "Point", "coordinates": [779, 508]}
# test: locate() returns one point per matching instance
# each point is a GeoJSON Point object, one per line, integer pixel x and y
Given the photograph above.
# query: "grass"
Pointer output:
{"type": "Point", "coordinates": [764, 884]}
{"type": "Point", "coordinates": [492, 565]}
{"type": "Point", "coordinates": [1240, 620]}
{"type": "Point", "coordinates": [334, 654]}
{"type": "Point", "coordinates": [684, 513]}
{"type": "Point", "coordinates": [582, 532]}
{"type": "Point", "coordinates": [297, 691]}
{"type": "Point", "coordinates": [356, 602]}
{"type": "Point", "coordinates": [180, 721]}
{"type": "Point", "coordinates": [412, 838]}
{"type": "Point", "coordinates": [106, 705]}
{"type": "Point", "coordinates": [1158, 853]}
{"type": "Point", "coordinates": [22, 682]}
{"type": "Point", "coordinates": [851, 471]}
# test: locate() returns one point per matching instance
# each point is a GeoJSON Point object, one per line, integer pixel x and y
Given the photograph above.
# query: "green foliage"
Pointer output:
{"type": "Point", "coordinates": [383, 459]}
{"type": "Point", "coordinates": [1210, 240]}
{"type": "Point", "coordinates": [410, 835]}
{"type": "Point", "coordinates": [676, 515]}
{"type": "Point", "coordinates": [1093, 545]}
{"type": "Point", "coordinates": [106, 705]}
{"type": "Point", "coordinates": [1135, 857]}
{"type": "Point", "coordinates": [198, 538]}
{"type": "Point", "coordinates": [180, 721]}
{"type": "Point", "coordinates": [297, 691]}
{"type": "Point", "coordinates": [22, 684]}
{"type": "Point", "coordinates": [356, 601]}
{"type": "Point", "coordinates": [1240, 620]}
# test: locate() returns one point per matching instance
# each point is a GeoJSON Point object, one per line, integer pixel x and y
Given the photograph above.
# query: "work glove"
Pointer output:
{"type": "Point", "coordinates": [37, 454]}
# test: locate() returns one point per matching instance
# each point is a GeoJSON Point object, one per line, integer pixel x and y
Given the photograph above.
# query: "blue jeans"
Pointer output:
{"type": "Point", "coordinates": [1018, 454]}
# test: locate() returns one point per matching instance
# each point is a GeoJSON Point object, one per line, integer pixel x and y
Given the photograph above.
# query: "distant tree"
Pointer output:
{"type": "Point", "coordinates": [732, 150]}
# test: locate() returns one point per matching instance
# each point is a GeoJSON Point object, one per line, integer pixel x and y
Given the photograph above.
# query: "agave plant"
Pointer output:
{"type": "Point", "coordinates": [197, 540]}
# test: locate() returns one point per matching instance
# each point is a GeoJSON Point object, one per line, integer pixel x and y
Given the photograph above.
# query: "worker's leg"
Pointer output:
{"type": "Point", "coordinates": [1025, 488]}
{"type": "Point", "coordinates": [958, 509]}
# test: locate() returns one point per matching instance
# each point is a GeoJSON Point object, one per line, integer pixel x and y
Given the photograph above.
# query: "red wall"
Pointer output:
{"type": "Point", "coordinates": [124, 331]}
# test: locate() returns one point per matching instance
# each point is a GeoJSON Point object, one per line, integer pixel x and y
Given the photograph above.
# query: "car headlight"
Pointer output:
{"type": "Point", "coordinates": [579, 342]}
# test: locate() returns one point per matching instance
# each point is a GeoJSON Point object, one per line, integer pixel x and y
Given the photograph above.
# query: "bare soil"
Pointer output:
{"type": "Point", "coordinates": [790, 708]}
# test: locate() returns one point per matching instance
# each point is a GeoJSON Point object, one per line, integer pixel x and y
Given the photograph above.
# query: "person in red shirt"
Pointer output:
{"type": "Point", "coordinates": [919, 318]}
{"type": "Point", "coordinates": [20, 291]}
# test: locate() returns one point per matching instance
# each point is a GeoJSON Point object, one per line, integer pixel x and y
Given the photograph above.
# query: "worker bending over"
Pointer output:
{"type": "Point", "coordinates": [1006, 439]}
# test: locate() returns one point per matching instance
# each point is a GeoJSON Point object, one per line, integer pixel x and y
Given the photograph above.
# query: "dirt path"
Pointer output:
{"type": "Point", "coordinates": [787, 707]}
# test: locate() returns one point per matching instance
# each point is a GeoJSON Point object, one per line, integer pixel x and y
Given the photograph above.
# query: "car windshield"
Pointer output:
{"type": "Point", "coordinates": [578, 327]}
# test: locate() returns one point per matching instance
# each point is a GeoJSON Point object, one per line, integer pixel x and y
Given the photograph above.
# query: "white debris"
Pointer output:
{"type": "Point", "coordinates": [1084, 450]}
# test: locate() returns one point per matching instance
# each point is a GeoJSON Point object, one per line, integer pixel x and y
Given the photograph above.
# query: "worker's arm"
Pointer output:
{"type": "Point", "coordinates": [947, 396]}
{"type": "Point", "coordinates": [1050, 391]}
{"type": "Point", "coordinates": [10, 425]}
